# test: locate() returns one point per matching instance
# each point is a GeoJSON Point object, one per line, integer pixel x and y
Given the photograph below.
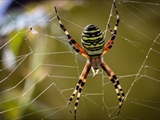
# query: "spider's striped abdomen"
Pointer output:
{"type": "Point", "coordinates": [92, 40]}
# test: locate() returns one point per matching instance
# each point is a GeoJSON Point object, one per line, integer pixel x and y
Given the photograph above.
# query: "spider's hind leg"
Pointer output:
{"type": "Point", "coordinates": [79, 86]}
{"type": "Point", "coordinates": [116, 83]}
{"type": "Point", "coordinates": [75, 91]}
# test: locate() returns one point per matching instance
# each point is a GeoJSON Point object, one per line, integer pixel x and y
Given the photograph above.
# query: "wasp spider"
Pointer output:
{"type": "Point", "coordinates": [93, 48]}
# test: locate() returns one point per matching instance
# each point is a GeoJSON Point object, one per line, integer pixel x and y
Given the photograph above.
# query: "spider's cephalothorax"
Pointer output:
{"type": "Point", "coordinates": [92, 40]}
{"type": "Point", "coordinates": [93, 50]}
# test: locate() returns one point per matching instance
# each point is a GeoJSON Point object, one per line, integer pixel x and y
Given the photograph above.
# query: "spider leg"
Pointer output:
{"type": "Point", "coordinates": [116, 83]}
{"type": "Point", "coordinates": [109, 44]}
{"type": "Point", "coordinates": [79, 86]}
{"type": "Point", "coordinates": [71, 41]}
{"type": "Point", "coordinates": [110, 29]}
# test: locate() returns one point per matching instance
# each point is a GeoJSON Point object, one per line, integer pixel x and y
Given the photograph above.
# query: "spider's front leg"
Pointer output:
{"type": "Point", "coordinates": [79, 86]}
{"type": "Point", "coordinates": [116, 83]}
{"type": "Point", "coordinates": [71, 41]}
{"type": "Point", "coordinates": [109, 44]}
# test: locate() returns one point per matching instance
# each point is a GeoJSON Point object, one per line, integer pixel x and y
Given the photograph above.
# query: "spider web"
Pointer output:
{"type": "Point", "coordinates": [39, 70]}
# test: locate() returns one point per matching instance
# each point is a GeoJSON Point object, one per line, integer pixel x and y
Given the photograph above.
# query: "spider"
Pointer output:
{"type": "Point", "coordinates": [93, 48]}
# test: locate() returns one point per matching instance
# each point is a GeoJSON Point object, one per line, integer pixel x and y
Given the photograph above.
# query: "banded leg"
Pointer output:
{"type": "Point", "coordinates": [110, 29]}
{"type": "Point", "coordinates": [79, 86]}
{"type": "Point", "coordinates": [71, 41]}
{"type": "Point", "coordinates": [117, 86]}
{"type": "Point", "coordinates": [109, 44]}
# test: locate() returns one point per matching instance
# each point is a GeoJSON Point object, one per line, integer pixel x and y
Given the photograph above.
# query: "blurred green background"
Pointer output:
{"type": "Point", "coordinates": [39, 72]}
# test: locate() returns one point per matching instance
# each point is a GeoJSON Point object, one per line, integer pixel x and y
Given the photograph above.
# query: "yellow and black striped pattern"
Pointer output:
{"type": "Point", "coordinates": [93, 50]}
{"type": "Point", "coordinates": [92, 40]}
